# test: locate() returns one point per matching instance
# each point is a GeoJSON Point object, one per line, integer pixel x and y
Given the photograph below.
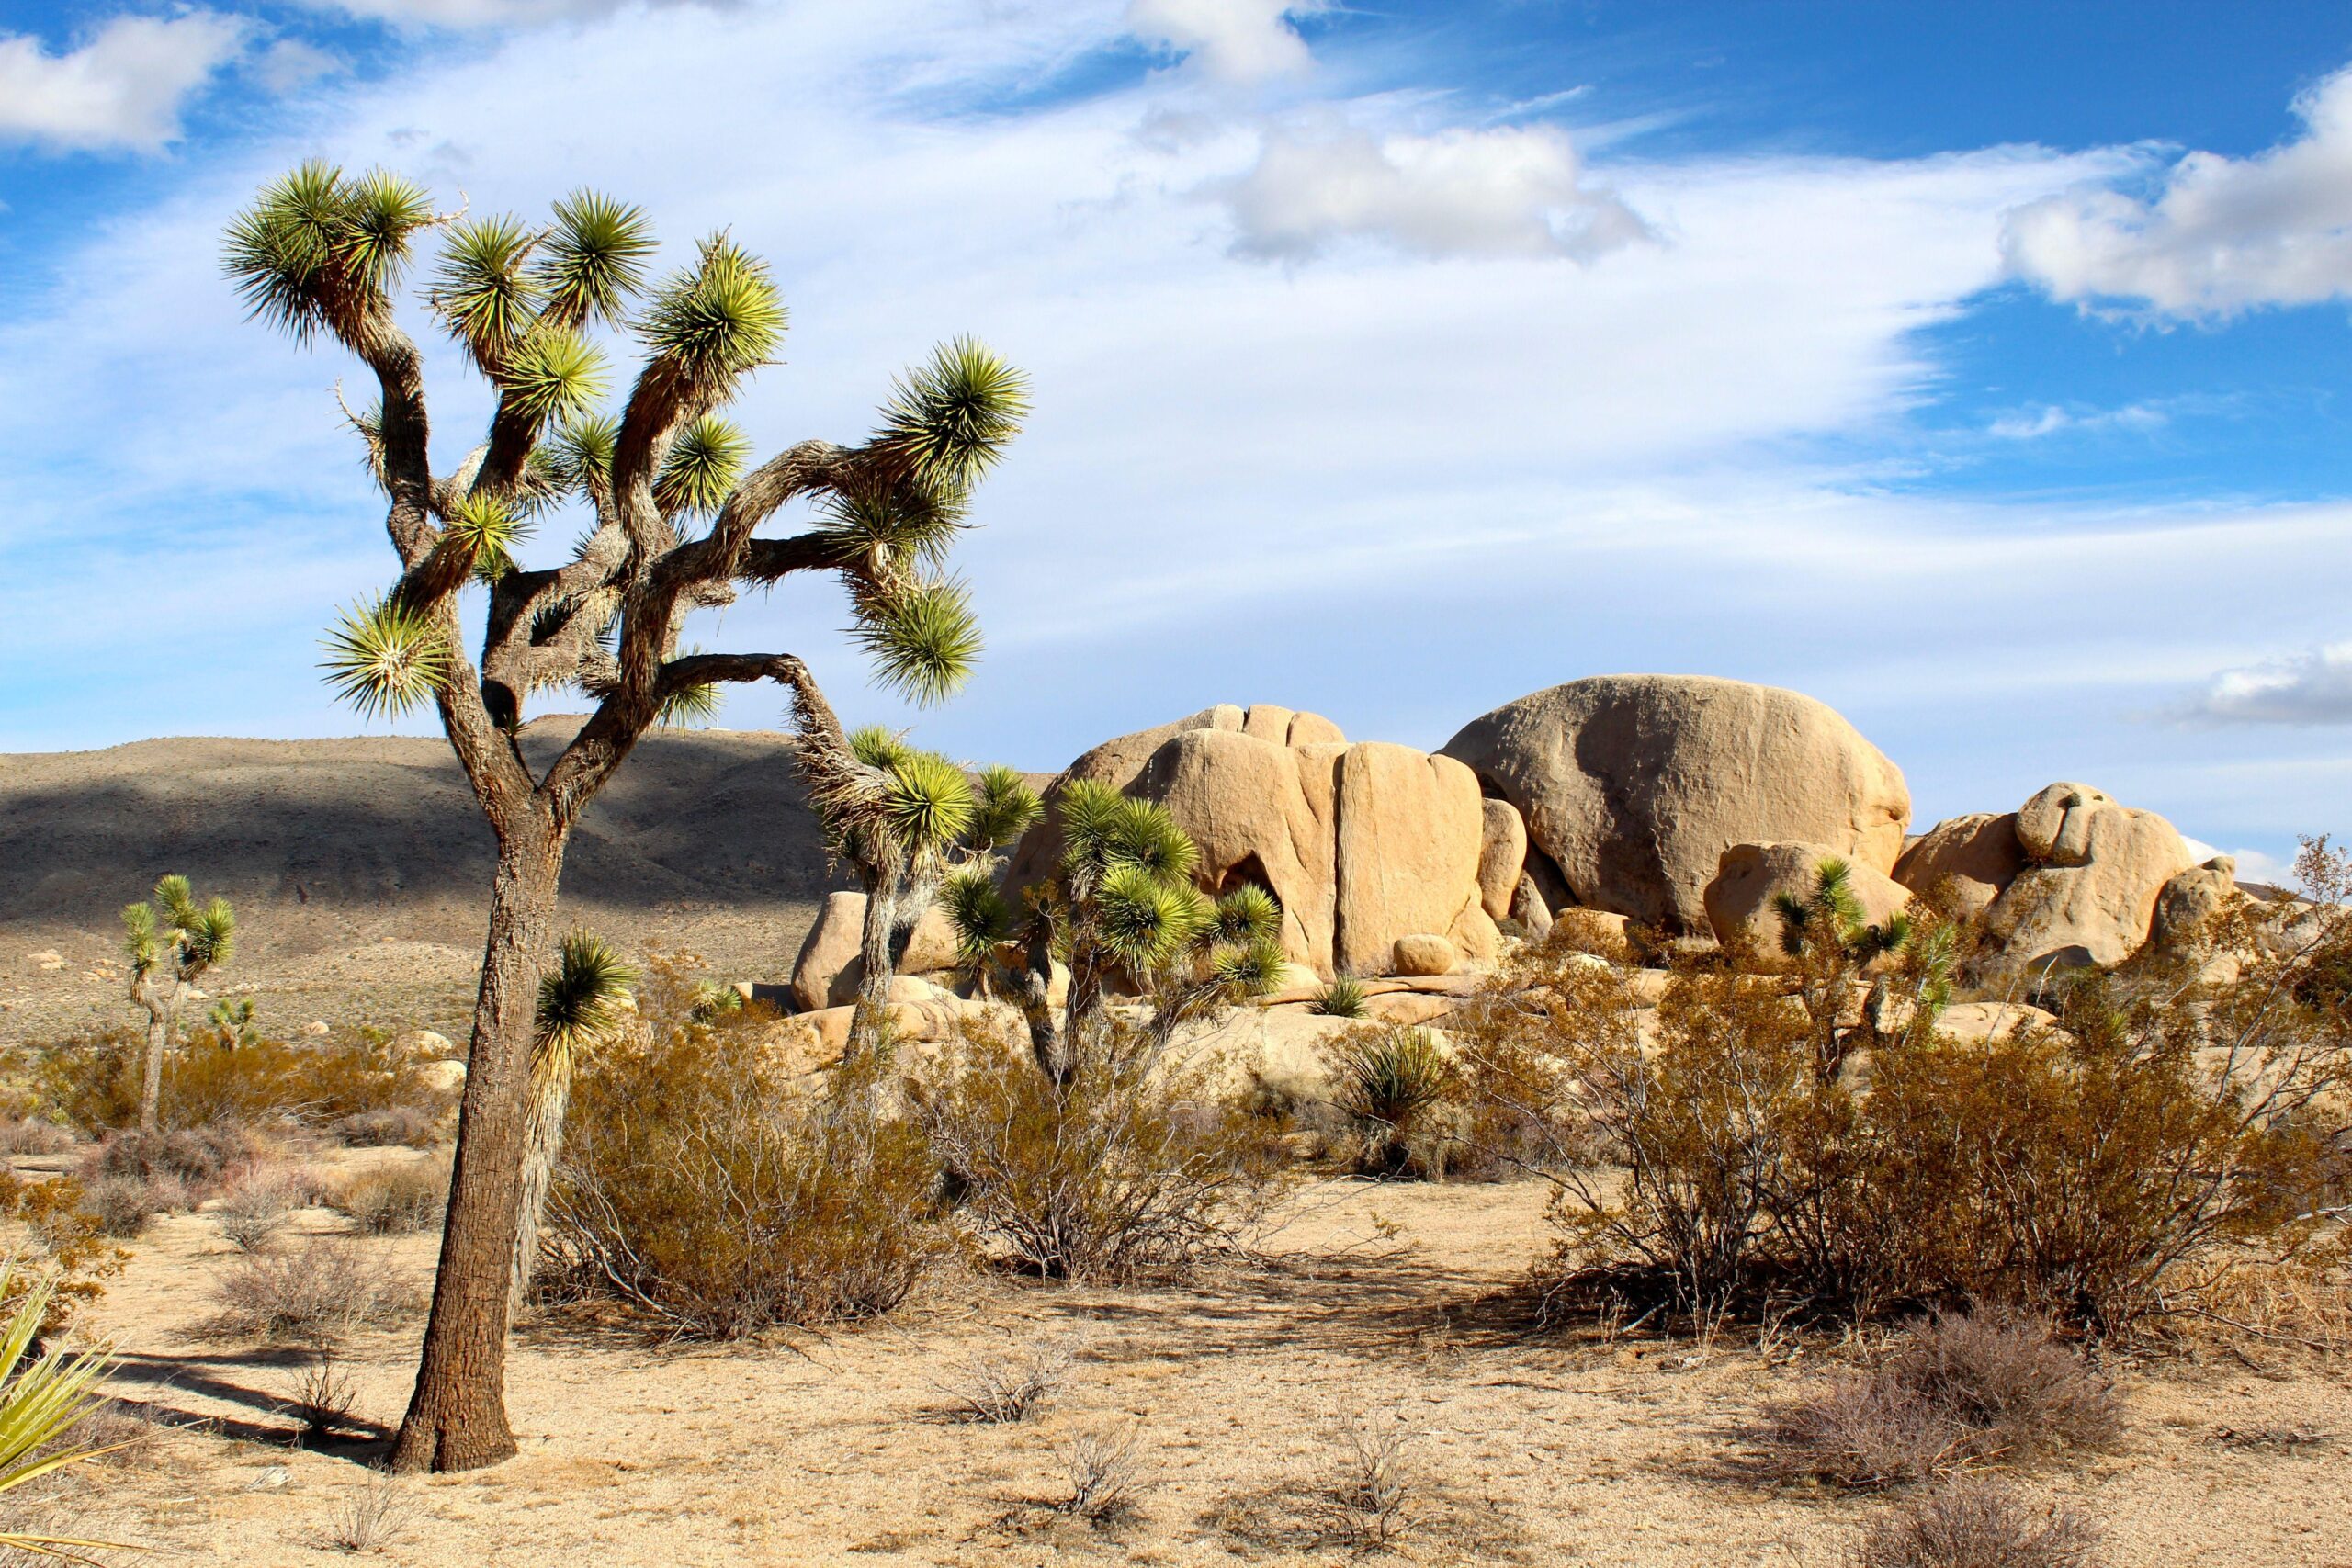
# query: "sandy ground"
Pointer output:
{"type": "Point", "coordinates": [837, 1449]}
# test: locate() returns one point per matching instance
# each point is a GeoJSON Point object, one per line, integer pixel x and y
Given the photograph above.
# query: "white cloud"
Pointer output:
{"type": "Point", "coordinates": [473, 14]}
{"type": "Point", "coordinates": [1232, 40]}
{"type": "Point", "coordinates": [2313, 687]}
{"type": "Point", "coordinates": [289, 64]}
{"type": "Point", "coordinates": [2253, 865]}
{"type": "Point", "coordinates": [2222, 235]}
{"type": "Point", "coordinates": [1507, 191]}
{"type": "Point", "coordinates": [122, 90]}
{"type": "Point", "coordinates": [2048, 419]}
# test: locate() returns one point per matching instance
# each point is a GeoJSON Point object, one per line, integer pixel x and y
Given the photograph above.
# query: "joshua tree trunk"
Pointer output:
{"type": "Point", "coordinates": [879, 956]}
{"type": "Point", "coordinates": [159, 1030]}
{"type": "Point", "coordinates": [456, 1419]}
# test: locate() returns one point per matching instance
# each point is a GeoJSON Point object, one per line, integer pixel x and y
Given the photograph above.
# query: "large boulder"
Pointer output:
{"type": "Point", "coordinates": [1362, 843]}
{"type": "Point", "coordinates": [1742, 901]}
{"type": "Point", "coordinates": [1502, 858]}
{"type": "Point", "coordinates": [2088, 893]}
{"type": "Point", "coordinates": [830, 966]}
{"type": "Point", "coordinates": [2187, 903]}
{"type": "Point", "coordinates": [1969, 861]}
{"type": "Point", "coordinates": [1632, 786]}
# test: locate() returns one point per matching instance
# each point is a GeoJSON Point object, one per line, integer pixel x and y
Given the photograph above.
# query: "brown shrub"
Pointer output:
{"type": "Point", "coordinates": [1124, 1170]}
{"type": "Point", "coordinates": [34, 1135]}
{"type": "Point", "coordinates": [314, 1293]}
{"type": "Point", "coordinates": [199, 1158]}
{"type": "Point", "coordinates": [358, 1079]}
{"type": "Point", "coordinates": [123, 1205]}
{"type": "Point", "coordinates": [395, 1200]}
{"type": "Point", "coordinates": [255, 1208]}
{"type": "Point", "coordinates": [48, 1225]}
{"type": "Point", "coordinates": [1972, 1524]}
{"type": "Point", "coordinates": [1959, 1394]}
{"type": "Point", "coordinates": [699, 1183]}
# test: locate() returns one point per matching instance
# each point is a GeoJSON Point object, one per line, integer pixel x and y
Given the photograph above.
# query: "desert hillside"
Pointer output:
{"type": "Point", "coordinates": [360, 868]}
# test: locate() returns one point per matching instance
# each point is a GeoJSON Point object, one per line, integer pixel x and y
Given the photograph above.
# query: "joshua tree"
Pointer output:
{"type": "Point", "coordinates": [170, 941]}
{"type": "Point", "coordinates": [1122, 899]}
{"type": "Point", "coordinates": [583, 1002]}
{"type": "Point", "coordinates": [671, 518]}
{"type": "Point", "coordinates": [1831, 945]}
{"type": "Point", "coordinates": [902, 819]}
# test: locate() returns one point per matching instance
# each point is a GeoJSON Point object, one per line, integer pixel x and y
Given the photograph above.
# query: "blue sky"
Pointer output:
{"type": "Point", "coordinates": [1981, 370]}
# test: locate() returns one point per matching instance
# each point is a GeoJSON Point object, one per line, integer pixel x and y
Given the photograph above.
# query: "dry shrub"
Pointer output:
{"type": "Point", "coordinates": [256, 1207]}
{"type": "Point", "coordinates": [199, 1157]}
{"type": "Point", "coordinates": [701, 1184]}
{"type": "Point", "coordinates": [999, 1391]}
{"type": "Point", "coordinates": [1959, 1394]}
{"type": "Point", "coordinates": [2102, 1170]}
{"type": "Point", "coordinates": [1127, 1167]}
{"type": "Point", "coordinates": [47, 1226]}
{"type": "Point", "coordinates": [357, 1081]}
{"type": "Point", "coordinates": [1106, 1472]}
{"type": "Point", "coordinates": [395, 1200]}
{"type": "Point", "coordinates": [1973, 1524]}
{"type": "Point", "coordinates": [1369, 1500]}
{"type": "Point", "coordinates": [372, 1518]}
{"type": "Point", "coordinates": [324, 1397]}
{"type": "Point", "coordinates": [123, 1205]}
{"type": "Point", "coordinates": [34, 1135]}
{"type": "Point", "coordinates": [314, 1293]}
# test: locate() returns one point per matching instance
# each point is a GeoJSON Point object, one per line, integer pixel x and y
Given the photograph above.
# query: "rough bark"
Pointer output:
{"type": "Point", "coordinates": [151, 1087]}
{"type": "Point", "coordinates": [543, 1146]}
{"type": "Point", "coordinates": [866, 1024]}
{"type": "Point", "coordinates": [457, 1418]}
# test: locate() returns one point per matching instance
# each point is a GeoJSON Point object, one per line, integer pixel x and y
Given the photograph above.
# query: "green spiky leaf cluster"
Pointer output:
{"type": "Point", "coordinates": [583, 998]}
{"type": "Point", "coordinates": [704, 463]}
{"type": "Point", "coordinates": [1102, 829]}
{"type": "Point", "coordinates": [715, 320]}
{"type": "Point", "coordinates": [923, 640]}
{"type": "Point", "coordinates": [1006, 807]}
{"type": "Point", "coordinates": [927, 804]}
{"type": "Point", "coordinates": [978, 911]}
{"type": "Point", "coordinates": [47, 1396]}
{"type": "Point", "coordinates": [319, 250]}
{"type": "Point", "coordinates": [171, 929]}
{"type": "Point", "coordinates": [488, 529]}
{"type": "Point", "coordinates": [385, 659]}
{"type": "Point", "coordinates": [1343, 998]}
{"type": "Point", "coordinates": [949, 419]}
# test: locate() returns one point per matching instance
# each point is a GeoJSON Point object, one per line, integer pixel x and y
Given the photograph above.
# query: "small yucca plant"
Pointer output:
{"type": "Point", "coordinates": [1387, 1081]}
{"type": "Point", "coordinates": [43, 1401]}
{"type": "Point", "coordinates": [1342, 998]}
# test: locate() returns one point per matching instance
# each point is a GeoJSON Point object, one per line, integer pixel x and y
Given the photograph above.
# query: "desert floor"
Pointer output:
{"type": "Point", "coordinates": [1392, 1305]}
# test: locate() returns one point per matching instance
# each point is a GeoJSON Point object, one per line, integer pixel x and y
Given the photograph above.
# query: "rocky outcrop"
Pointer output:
{"type": "Point", "coordinates": [1749, 879]}
{"type": "Point", "coordinates": [1631, 786]}
{"type": "Point", "coordinates": [2088, 893]}
{"type": "Point", "coordinates": [1966, 861]}
{"type": "Point", "coordinates": [1362, 843]}
{"type": "Point", "coordinates": [2187, 903]}
{"type": "Point", "coordinates": [830, 969]}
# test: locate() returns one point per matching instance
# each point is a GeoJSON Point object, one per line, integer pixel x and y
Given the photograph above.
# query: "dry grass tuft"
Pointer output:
{"type": "Point", "coordinates": [1369, 1501]}
{"type": "Point", "coordinates": [1106, 1473]}
{"type": "Point", "coordinates": [1973, 1524]}
{"type": "Point", "coordinates": [371, 1518]}
{"type": "Point", "coordinates": [395, 1200]}
{"type": "Point", "coordinates": [1001, 1391]}
{"type": "Point", "coordinates": [1961, 1393]}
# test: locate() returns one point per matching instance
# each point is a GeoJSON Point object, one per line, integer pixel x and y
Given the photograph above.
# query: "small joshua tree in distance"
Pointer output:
{"type": "Point", "coordinates": [672, 519]}
{"type": "Point", "coordinates": [171, 941]}
{"type": "Point", "coordinates": [1829, 943]}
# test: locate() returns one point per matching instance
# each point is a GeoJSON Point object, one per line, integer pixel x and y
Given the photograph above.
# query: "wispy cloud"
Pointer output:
{"type": "Point", "coordinates": [2049, 419]}
{"type": "Point", "coordinates": [2221, 235]}
{"type": "Point", "coordinates": [2313, 687]}
{"type": "Point", "coordinates": [121, 90]}
{"type": "Point", "coordinates": [1230, 41]}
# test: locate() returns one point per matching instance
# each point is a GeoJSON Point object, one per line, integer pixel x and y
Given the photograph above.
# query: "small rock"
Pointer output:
{"type": "Point", "coordinates": [317, 1027]}
{"type": "Point", "coordinates": [1423, 953]}
{"type": "Point", "coordinates": [271, 1476]}
{"type": "Point", "coordinates": [50, 961]}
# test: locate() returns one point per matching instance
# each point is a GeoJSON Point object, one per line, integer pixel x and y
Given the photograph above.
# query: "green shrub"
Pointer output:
{"type": "Point", "coordinates": [1390, 1081]}
{"type": "Point", "coordinates": [1342, 998]}
{"type": "Point", "coordinates": [701, 1184]}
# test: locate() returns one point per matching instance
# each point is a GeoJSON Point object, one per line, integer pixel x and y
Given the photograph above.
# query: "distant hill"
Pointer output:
{"type": "Point", "coordinates": [360, 868]}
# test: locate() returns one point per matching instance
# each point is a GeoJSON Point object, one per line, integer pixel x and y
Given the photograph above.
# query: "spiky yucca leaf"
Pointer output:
{"type": "Point", "coordinates": [1088, 811]}
{"type": "Point", "coordinates": [207, 937]}
{"type": "Point", "coordinates": [1248, 968]}
{"type": "Point", "coordinates": [1389, 1077]}
{"type": "Point", "coordinates": [553, 374]}
{"type": "Point", "coordinates": [690, 707]}
{"type": "Point", "coordinates": [1142, 834]}
{"type": "Point", "coordinates": [950, 418]}
{"type": "Point", "coordinates": [1343, 998]}
{"type": "Point", "coordinates": [581, 1000]}
{"type": "Point", "coordinates": [879, 746]}
{"type": "Point", "coordinates": [379, 211]}
{"type": "Point", "coordinates": [1249, 914]}
{"type": "Point", "coordinates": [282, 249]}
{"type": "Point", "coordinates": [717, 321]}
{"type": "Point", "coordinates": [911, 525]}
{"type": "Point", "coordinates": [44, 1399]}
{"type": "Point", "coordinates": [176, 900]}
{"type": "Point", "coordinates": [1007, 807]}
{"type": "Point", "coordinates": [483, 292]}
{"type": "Point", "coordinates": [977, 913]}
{"type": "Point", "coordinates": [384, 659]}
{"type": "Point", "coordinates": [140, 942]}
{"type": "Point", "coordinates": [927, 805]}
{"type": "Point", "coordinates": [593, 260]}
{"type": "Point", "coordinates": [1144, 921]}
{"type": "Point", "coordinates": [582, 452]}
{"type": "Point", "coordinates": [488, 529]}
{"type": "Point", "coordinates": [704, 463]}
{"type": "Point", "coordinates": [923, 640]}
